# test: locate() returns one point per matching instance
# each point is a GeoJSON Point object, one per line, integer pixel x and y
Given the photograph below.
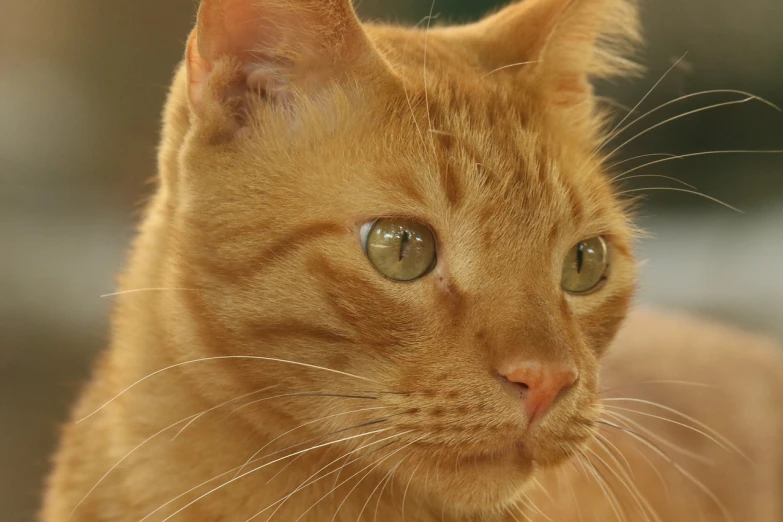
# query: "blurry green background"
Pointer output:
{"type": "Point", "coordinates": [81, 87]}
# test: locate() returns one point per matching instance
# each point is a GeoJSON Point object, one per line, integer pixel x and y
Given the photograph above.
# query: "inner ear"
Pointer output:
{"type": "Point", "coordinates": [564, 44]}
{"type": "Point", "coordinates": [272, 47]}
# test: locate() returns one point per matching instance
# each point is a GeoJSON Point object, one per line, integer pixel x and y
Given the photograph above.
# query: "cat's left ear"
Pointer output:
{"type": "Point", "coordinates": [270, 48]}
{"type": "Point", "coordinates": [558, 46]}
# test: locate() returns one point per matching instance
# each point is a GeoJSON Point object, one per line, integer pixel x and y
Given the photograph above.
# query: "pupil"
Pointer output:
{"type": "Point", "coordinates": [580, 257]}
{"type": "Point", "coordinates": [403, 244]}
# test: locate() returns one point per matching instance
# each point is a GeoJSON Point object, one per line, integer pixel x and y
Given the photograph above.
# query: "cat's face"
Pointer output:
{"type": "Point", "coordinates": [421, 236]}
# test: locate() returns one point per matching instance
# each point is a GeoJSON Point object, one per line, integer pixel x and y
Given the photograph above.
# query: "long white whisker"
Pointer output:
{"type": "Point", "coordinates": [674, 118]}
{"type": "Point", "coordinates": [686, 191]}
{"type": "Point", "coordinates": [662, 440]}
{"type": "Point", "coordinates": [389, 480]}
{"type": "Point", "coordinates": [352, 476]}
{"type": "Point", "coordinates": [312, 478]}
{"type": "Point", "coordinates": [693, 155]}
{"type": "Point", "coordinates": [197, 417]}
{"type": "Point", "coordinates": [685, 97]}
{"type": "Point", "coordinates": [685, 416]}
{"type": "Point", "coordinates": [426, 41]}
{"type": "Point", "coordinates": [188, 420]}
{"type": "Point", "coordinates": [654, 176]}
{"type": "Point", "coordinates": [224, 357]}
{"type": "Point", "coordinates": [617, 509]}
{"type": "Point", "coordinates": [640, 500]}
{"type": "Point", "coordinates": [139, 290]}
{"type": "Point", "coordinates": [238, 477]}
{"type": "Point", "coordinates": [304, 394]}
{"type": "Point", "coordinates": [610, 444]}
{"type": "Point", "coordinates": [672, 421]}
{"type": "Point", "coordinates": [611, 135]}
{"type": "Point", "coordinates": [652, 155]}
{"type": "Point", "coordinates": [407, 486]}
{"type": "Point", "coordinates": [725, 512]}
{"type": "Point", "coordinates": [372, 493]}
{"type": "Point", "coordinates": [309, 423]}
{"type": "Point", "coordinates": [509, 66]}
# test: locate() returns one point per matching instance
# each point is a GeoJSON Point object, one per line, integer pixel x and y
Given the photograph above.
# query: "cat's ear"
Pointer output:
{"type": "Point", "coordinates": [563, 44]}
{"type": "Point", "coordinates": [272, 47]}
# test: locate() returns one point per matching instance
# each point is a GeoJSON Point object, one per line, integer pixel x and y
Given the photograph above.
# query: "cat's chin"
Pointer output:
{"type": "Point", "coordinates": [482, 482]}
{"type": "Point", "coordinates": [486, 482]}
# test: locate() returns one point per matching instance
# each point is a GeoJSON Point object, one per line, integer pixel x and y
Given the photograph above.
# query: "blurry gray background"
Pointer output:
{"type": "Point", "coordinates": [81, 87]}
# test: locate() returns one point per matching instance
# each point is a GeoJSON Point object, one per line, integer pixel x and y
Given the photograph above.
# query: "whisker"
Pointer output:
{"type": "Point", "coordinates": [543, 489]}
{"type": "Point", "coordinates": [188, 420]}
{"type": "Point", "coordinates": [688, 96]}
{"type": "Point", "coordinates": [511, 65]}
{"type": "Point", "coordinates": [313, 422]}
{"type": "Point", "coordinates": [321, 437]}
{"type": "Point", "coordinates": [610, 496]}
{"type": "Point", "coordinates": [305, 394]}
{"type": "Point", "coordinates": [139, 290]}
{"type": "Point", "coordinates": [685, 416]}
{"type": "Point", "coordinates": [683, 115]}
{"type": "Point", "coordinates": [357, 426]}
{"type": "Point", "coordinates": [383, 479]}
{"type": "Point", "coordinates": [367, 474]}
{"type": "Point", "coordinates": [354, 475]}
{"type": "Point", "coordinates": [649, 462]}
{"type": "Point", "coordinates": [407, 486]}
{"type": "Point", "coordinates": [687, 191]}
{"type": "Point", "coordinates": [676, 466]}
{"type": "Point", "coordinates": [693, 155]}
{"type": "Point", "coordinates": [426, 41]}
{"type": "Point", "coordinates": [658, 381]}
{"type": "Point", "coordinates": [180, 510]}
{"type": "Point", "coordinates": [527, 500]}
{"type": "Point", "coordinates": [672, 421]}
{"type": "Point", "coordinates": [639, 499]}
{"type": "Point", "coordinates": [311, 480]}
{"type": "Point", "coordinates": [610, 444]}
{"type": "Point", "coordinates": [612, 133]}
{"type": "Point", "coordinates": [195, 488]}
{"type": "Point", "coordinates": [628, 160]}
{"type": "Point", "coordinates": [653, 176]}
{"type": "Point", "coordinates": [197, 417]}
{"type": "Point", "coordinates": [389, 480]}
{"type": "Point", "coordinates": [527, 518]}
{"type": "Point", "coordinates": [662, 440]}
{"type": "Point", "coordinates": [224, 357]}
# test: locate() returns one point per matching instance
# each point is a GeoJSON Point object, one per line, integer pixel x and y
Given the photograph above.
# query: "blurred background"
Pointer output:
{"type": "Point", "coordinates": [82, 83]}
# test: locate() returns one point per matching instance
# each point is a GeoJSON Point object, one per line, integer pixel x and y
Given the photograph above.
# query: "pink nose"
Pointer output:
{"type": "Point", "coordinates": [539, 385]}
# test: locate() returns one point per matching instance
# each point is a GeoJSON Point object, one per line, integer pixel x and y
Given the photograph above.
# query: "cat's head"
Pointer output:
{"type": "Point", "coordinates": [421, 212]}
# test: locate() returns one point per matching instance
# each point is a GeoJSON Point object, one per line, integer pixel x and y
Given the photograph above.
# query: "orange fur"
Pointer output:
{"type": "Point", "coordinates": [289, 125]}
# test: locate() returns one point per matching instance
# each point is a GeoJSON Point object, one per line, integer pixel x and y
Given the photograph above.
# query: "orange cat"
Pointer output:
{"type": "Point", "coordinates": [375, 283]}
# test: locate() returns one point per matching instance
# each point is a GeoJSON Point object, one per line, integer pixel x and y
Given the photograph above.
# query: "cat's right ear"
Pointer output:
{"type": "Point", "coordinates": [272, 48]}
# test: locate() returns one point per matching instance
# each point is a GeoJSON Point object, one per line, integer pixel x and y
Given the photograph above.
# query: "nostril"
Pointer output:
{"type": "Point", "coordinates": [521, 389]}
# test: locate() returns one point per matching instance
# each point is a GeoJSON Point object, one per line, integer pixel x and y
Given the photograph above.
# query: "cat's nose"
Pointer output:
{"type": "Point", "coordinates": [539, 384]}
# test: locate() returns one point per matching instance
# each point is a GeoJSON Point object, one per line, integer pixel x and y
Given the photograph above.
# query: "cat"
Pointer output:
{"type": "Point", "coordinates": [382, 278]}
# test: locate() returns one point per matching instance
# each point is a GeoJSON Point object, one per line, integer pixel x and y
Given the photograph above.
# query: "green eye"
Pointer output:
{"type": "Point", "coordinates": [401, 249]}
{"type": "Point", "coordinates": [585, 266]}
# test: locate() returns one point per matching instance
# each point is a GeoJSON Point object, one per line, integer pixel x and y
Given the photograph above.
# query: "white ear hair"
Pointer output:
{"type": "Point", "coordinates": [275, 46]}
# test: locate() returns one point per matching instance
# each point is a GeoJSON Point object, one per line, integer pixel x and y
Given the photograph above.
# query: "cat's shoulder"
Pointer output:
{"type": "Point", "coordinates": [657, 346]}
{"type": "Point", "coordinates": [659, 334]}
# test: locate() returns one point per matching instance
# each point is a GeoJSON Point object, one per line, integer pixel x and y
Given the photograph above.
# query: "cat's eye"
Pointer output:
{"type": "Point", "coordinates": [401, 249]}
{"type": "Point", "coordinates": [585, 265]}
